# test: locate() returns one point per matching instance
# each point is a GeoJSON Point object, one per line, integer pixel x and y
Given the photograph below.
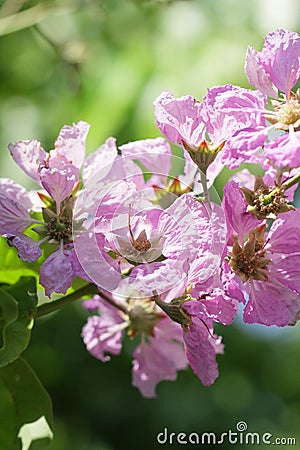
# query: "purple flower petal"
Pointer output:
{"type": "Point", "coordinates": [59, 178]}
{"type": "Point", "coordinates": [71, 143]}
{"type": "Point", "coordinates": [287, 271]}
{"type": "Point", "coordinates": [29, 155]}
{"type": "Point", "coordinates": [266, 304]}
{"type": "Point", "coordinates": [159, 358]}
{"type": "Point", "coordinates": [154, 154]}
{"type": "Point", "coordinates": [284, 151]}
{"type": "Point", "coordinates": [98, 266]}
{"type": "Point", "coordinates": [28, 249]}
{"type": "Point", "coordinates": [244, 147]}
{"type": "Point", "coordinates": [57, 273]}
{"type": "Point", "coordinates": [15, 192]}
{"type": "Point", "coordinates": [155, 277]}
{"type": "Point", "coordinates": [179, 119]}
{"type": "Point", "coordinates": [200, 353]}
{"type": "Point", "coordinates": [280, 58]}
{"type": "Point", "coordinates": [228, 109]}
{"type": "Point", "coordinates": [284, 234]}
{"type": "Point", "coordinates": [100, 162]}
{"type": "Point", "coordinates": [216, 306]}
{"type": "Point", "coordinates": [14, 217]}
{"type": "Point", "coordinates": [237, 219]}
{"type": "Point", "coordinates": [257, 75]}
{"type": "Point", "coordinates": [103, 334]}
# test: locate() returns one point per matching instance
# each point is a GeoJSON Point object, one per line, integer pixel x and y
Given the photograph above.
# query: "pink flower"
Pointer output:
{"type": "Point", "coordinates": [266, 264]}
{"type": "Point", "coordinates": [277, 65]}
{"type": "Point", "coordinates": [235, 115]}
{"type": "Point", "coordinates": [158, 357]}
{"type": "Point", "coordinates": [154, 154]}
{"type": "Point", "coordinates": [58, 170]}
{"type": "Point", "coordinates": [179, 119]}
{"type": "Point", "coordinates": [225, 113]}
{"type": "Point", "coordinates": [103, 333]}
{"type": "Point", "coordinates": [205, 300]}
{"type": "Point", "coordinates": [160, 352]}
{"type": "Point", "coordinates": [149, 242]}
{"type": "Point", "coordinates": [57, 274]}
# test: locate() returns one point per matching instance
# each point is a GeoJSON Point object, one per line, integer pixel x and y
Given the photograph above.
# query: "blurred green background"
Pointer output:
{"type": "Point", "coordinates": [105, 61]}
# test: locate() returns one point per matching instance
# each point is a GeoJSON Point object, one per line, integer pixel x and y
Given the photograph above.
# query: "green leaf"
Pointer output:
{"type": "Point", "coordinates": [26, 410]}
{"type": "Point", "coordinates": [24, 291]}
{"type": "Point", "coordinates": [17, 306]}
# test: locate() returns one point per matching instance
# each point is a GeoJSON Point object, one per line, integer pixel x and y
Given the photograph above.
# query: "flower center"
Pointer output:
{"type": "Point", "coordinates": [286, 114]}
{"type": "Point", "coordinates": [141, 243]}
{"type": "Point", "coordinates": [289, 113]}
{"type": "Point", "coordinates": [269, 204]}
{"type": "Point", "coordinates": [249, 260]}
{"type": "Point", "coordinates": [143, 317]}
{"type": "Point", "coordinates": [266, 202]}
{"type": "Point", "coordinates": [60, 229]}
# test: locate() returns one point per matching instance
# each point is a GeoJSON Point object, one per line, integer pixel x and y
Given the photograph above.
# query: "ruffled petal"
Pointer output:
{"type": "Point", "coordinates": [154, 154]}
{"type": "Point", "coordinates": [284, 151]}
{"type": "Point", "coordinates": [102, 334]}
{"type": "Point", "coordinates": [216, 306]}
{"type": "Point", "coordinates": [14, 217]}
{"type": "Point", "coordinates": [257, 75]}
{"type": "Point", "coordinates": [99, 163]}
{"type": "Point", "coordinates": [283, 236]}
{"type": "Point", "coordinates": [57, 273]}
{"type": "Point", "coordinates": [280, 58]}
{"type": "Point", "coordinates": [28, 249]}
{"type": "Point", "coordinates": [94, 261]}
{"type": "Point", "coordinates": [29, 155]}
{"type": "Point", "coordinates": [59, 178]}
{"type": "Point", "coordinates": [238, 221]}
{"type": "Point", "coordinates": [200, 352]}
{"type": "Point", "coordinates": [266, 304]}
{"type": "Point", "coordinates": [179, 119]}
{"type": "Point", "coordinates": [244, 146]}
{"type": "Point", "coordinates": [228, 109]}
{"type": "Point", "coordinates": [155, 277]}
{"type": "Point", "coordinates": [15, 192]}
{"type": "Point", "coordinates": [71, 143]}
{"type": "Point", "coordinates": [159, 358]}
{"type": "Point", "coordinates": [286, 269]}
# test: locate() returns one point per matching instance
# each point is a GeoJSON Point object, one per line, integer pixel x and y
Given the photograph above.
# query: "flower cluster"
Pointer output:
{"type": "Point", "coordinates": [167, 261]}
